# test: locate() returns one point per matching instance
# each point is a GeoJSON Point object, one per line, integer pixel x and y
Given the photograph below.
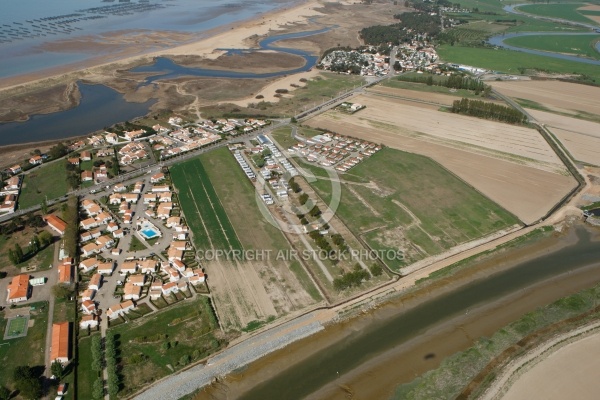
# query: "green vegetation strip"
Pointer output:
{"type": "Point", "coordinates": [48, 181]}
{"type": "Point", "coordinates": [580, 45]}
{"type": "Point", "coordinates": [26, 350]}
{"type": "Point", "coordinates": [561, 11]}
{"type": "Point", "coordinates": [515, 62]}
{"type": "Point", "coordinates": [202, 208]}
{"type": "Point", "coordinates": [448, 210]}
{"type": "Point", "coordinates": [150, 348]}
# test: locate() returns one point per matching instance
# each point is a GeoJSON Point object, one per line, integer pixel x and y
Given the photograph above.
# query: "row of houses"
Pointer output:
{"type": "Point", "coordinates": [132, 152]}
{"type": "Point", "coordinates": [334, 150]}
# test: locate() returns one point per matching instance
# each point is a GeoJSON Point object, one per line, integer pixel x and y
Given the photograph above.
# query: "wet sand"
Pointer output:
{"type": "Point", "coordinates": [378, 376]}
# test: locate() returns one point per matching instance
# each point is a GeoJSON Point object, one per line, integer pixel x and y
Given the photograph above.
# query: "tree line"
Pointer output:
{"type": "Point", "coordinates": [453, 82]}
{"type": "Point", "coordinates": [410, 25]}
{"type": "Point", "coordinates": [487, 110]}
{"type": "Point", "coordinates": [71, 217]}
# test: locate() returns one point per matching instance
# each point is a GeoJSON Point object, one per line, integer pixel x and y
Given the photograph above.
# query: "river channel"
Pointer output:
{"type": "Point", "coordinates": [166, 68]}
{"type": "Point", "coordinates": [367, 357]}
{"type": "Point", "coordinates": [101, 106]}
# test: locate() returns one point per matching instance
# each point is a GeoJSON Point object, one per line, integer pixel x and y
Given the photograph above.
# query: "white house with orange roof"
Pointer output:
{"type": "Point", "coordinates": [106, 268]}
{"type": "Point", "coordinates": [88, 321]}
{"type": "Point", "coordinates": [131, 291]}
{"type": "Point", "coordinates": [88, 264]}
{"type": "Point", "coordinates": [89, 307]}
{"type": "Point", "coordinates": [157, 177]}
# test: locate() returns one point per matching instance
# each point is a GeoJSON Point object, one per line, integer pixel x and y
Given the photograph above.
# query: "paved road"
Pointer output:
{"type": "Point", "coordinates": [132, 176]}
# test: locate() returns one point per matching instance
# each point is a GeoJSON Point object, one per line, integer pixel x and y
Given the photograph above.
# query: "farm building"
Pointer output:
{"type": "Point", "coordinates": [56, 223]}
{"type": "Point", "coordinates": [60, 342]}
{"type": "Point", "coordinates": [19, 289]}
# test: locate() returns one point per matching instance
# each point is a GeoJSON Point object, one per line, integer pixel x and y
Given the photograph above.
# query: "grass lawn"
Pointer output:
{"type": "Point", "coordinates": [64, 310]}
{"type": "Point", "coordinates": [513, 62]}
{"type": "Point", "coordinates": [136, 244]}
{"type": "Point", "coordinates": [202, 206]}
{"type": "Point", "coordinates": [188, 328]}
{"type": "Point", "coordinates": [580, 45]}
{"type": "Point", "coordinates": [49, 180]}
{"type": "Point", "coordinates": [562, 11]}
{"type": "Point", "coordinates": [86, 165]}
{"type": "Point", "coordinates": [445, 211]}
{"type": "Point", "coordinates": [86, 376]}
{"type": "Point", "coordinates": [283, 136]}
{"type": "Point", "coordinates": [42, 259]}
{"type": "Point", "coordinates": [28, 350]}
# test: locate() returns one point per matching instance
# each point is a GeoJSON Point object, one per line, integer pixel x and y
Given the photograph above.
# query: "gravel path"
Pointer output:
{"type": "Point", "coordinates": [180, 384]}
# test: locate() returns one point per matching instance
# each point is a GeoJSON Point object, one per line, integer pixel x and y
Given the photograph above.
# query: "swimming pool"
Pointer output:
{"type": "Point", "coordinates": [149, 233]}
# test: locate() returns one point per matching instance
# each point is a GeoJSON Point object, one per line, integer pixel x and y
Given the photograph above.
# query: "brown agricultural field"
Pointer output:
{"type": "Point", "coordinates": [581, 138]}
{"type": "Point", "coordinates": [511, 165]}
{"type": "Point", "coordinates": [573, 97]}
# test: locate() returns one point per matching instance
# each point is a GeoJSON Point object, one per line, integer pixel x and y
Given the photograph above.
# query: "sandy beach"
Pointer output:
{"type": "Point", "coordinates": [130, 50]}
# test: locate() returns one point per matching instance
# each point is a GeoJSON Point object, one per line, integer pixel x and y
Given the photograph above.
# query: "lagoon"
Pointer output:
{"type": "Point", "coordinates": [100, 107]}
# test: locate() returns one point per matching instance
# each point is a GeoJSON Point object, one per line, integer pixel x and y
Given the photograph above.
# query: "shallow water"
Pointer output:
{"type": "Point", "coordinates": [370, 356]}
{"type": "Point", "coordinates": [26, 25]}
{"type": "Point", "coordinates": [100, 106]}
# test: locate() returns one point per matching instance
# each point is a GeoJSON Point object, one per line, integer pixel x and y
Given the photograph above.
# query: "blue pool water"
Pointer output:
{"type": "Point", "coordinates": [149, 233]}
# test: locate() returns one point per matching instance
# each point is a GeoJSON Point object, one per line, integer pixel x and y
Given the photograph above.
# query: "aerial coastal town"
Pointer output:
{"type": "Point", "coordinates": [252, 230]}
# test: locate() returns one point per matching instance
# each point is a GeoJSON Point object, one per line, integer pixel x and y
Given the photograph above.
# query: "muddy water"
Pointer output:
{"type": "Point", "coordinates": [369, 356]}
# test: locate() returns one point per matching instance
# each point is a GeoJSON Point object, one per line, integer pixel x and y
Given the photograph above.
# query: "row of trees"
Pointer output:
{"type": "Point", "coordinates": [71, 217]}
{"type": "Point", "coordinates": [350, 279]}
{"type": "Point", "coordinates": [487, 110]}
{"type": "Point", "coordinates": [453, 82]}
{"type": "Point", "coordinates": [111, 365]}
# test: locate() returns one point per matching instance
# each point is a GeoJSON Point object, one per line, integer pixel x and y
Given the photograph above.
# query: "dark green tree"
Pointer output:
{"type": "Point", "coordinates": [44, 207]}
{"type": "Point", "coordinates": [18, 253]}
{"type": "Point", "coordinates": [57, 370]}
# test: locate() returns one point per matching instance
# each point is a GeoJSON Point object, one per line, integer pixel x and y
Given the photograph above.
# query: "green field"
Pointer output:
{"type": "Point", "coordinates": [27, 350]}
{"type": "Point", "coordinates": [188, 328]}
{"type": "Point", "coordinates": [86, 376]}
{"type": "Point", "coordinates": [562, 11]}
{"type": "Point", "coordinates": [136, 244]}
{"type": "Point", "coordinates": [580, 45]}
{"type": "Point", "coordinates": [49, 181]}
{"type": "Point", "coordinates": [202, 208]}
{"type": "Point", "coordinates": [445, 211]}
{"type": "Point", "coordinates": [514, 62]}
{"type": "Point", "coordinates": [238, 199]}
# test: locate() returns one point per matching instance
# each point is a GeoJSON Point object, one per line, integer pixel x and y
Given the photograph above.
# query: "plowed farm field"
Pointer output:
{"type": "Point", "coordinates": [512, 165]}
